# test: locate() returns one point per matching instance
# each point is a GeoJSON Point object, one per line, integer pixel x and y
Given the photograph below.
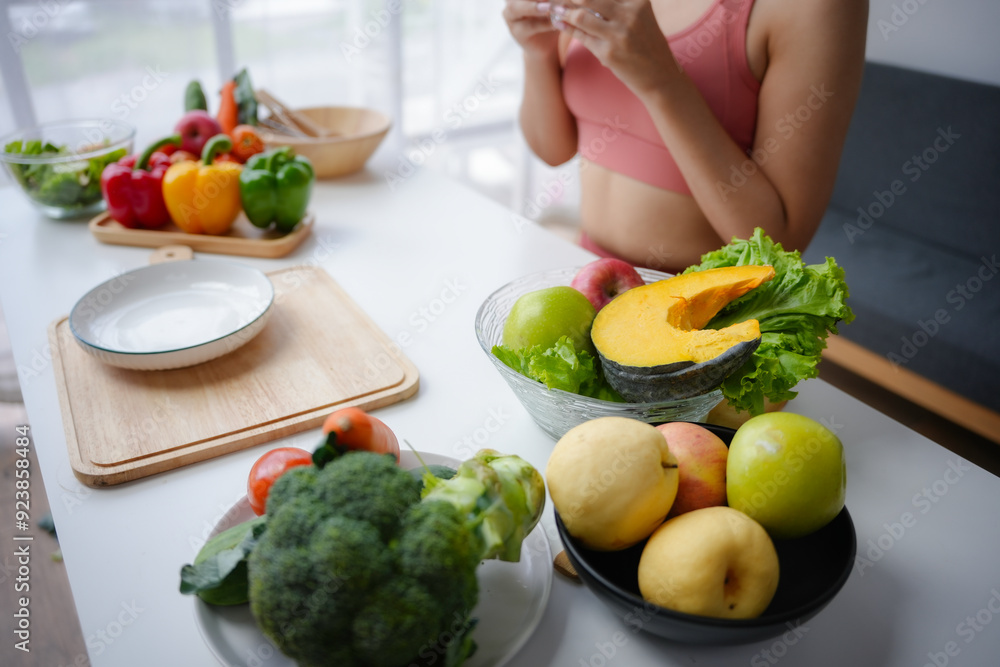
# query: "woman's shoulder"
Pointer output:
{"type": "Point", "coordinates": [806, 33]}
{"type": "Point", "coordinates": [782, 18]}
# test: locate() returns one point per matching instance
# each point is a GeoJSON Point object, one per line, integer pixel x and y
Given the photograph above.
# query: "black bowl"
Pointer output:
{"type": "Point", "coordinates": [813, 569]}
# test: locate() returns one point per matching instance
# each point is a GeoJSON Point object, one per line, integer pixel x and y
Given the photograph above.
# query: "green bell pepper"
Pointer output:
{"type": "Point", "coordinates": [275, 187]}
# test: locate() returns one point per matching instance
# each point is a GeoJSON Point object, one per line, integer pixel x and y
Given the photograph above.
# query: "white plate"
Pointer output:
{"type": "Point", "coordinates": [173, 314]}
{"type": "Point", "coordinates": [512, 599]}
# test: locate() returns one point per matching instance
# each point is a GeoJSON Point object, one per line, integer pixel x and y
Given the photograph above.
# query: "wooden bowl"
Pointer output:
{"type": "Point", "coordinates": [355, 134]}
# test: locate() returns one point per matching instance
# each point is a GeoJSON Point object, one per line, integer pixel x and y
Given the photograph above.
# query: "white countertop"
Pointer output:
{"type": "Point", "coordinates": [420, 260]}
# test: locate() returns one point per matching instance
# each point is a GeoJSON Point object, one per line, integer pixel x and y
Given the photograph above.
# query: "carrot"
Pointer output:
{"type": "Point", "coordinates": [354, 429]}
{"type": "Point", "coordinates": [228, 111]}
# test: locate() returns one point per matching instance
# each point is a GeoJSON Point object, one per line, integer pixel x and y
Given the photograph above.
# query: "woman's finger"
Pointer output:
{"type": "Point", "coordinates": [522, 9]}
{"type": "Point", "coordinates": [535, 25]}
{"type": "Point", "coordinates": [602, 9]}
{"type": "Point", "coordinates": [582, 20]}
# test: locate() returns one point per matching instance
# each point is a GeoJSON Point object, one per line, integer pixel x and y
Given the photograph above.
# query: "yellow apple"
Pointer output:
{"type": "Point", "coordinates": [715, 562]}
{"type": "Point", "coordinates": [612, 480]}
{"type": "Point", "coordinates": [701, 464]}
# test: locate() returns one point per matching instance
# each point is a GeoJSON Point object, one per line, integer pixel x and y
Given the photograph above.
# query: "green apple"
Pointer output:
{"type": "Point", "coordinates": [713, 561]}
{"type": "Point", "coordinates": [543, 316]}
{"type": "Point", "coordinates": [787, 472]}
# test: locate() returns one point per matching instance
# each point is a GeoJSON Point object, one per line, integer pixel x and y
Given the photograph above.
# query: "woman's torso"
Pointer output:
{"type": "Point", "coordinates": [649, 225]}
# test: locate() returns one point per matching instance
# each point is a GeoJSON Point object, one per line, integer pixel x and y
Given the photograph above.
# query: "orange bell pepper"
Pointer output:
{"type": "Point", "coordinates": [204, 197]}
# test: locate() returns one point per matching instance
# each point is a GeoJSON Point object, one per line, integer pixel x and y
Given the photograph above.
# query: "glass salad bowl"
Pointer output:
{"type": "Point", "coordinates": [554, 410]}
{"type": "Point", "coordinates": [59, 165]}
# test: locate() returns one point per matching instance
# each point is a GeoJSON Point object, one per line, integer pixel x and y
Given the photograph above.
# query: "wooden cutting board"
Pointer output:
{"type": "Point", "coordinates": [242, 239]}
{"type": "Point", "coordinates": [318, 352]}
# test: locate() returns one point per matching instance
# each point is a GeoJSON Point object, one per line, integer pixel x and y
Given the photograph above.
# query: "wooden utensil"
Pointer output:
{"type": "Point", "coordinates": [281, 128]}
{"type": "Point", "coordinates": [290, 116]}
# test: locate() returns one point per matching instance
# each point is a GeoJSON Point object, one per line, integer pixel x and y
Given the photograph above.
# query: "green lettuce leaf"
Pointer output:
{"type": "Point", "coordinates": [796, 310]}
{"type": "Point", "coordinates": [561, 366]}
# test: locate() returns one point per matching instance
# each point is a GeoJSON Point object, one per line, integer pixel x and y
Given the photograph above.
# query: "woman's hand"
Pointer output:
{"type": "Point", "coordinates": [529, 24]}
{"type": "Point", "coordinates": [625, 37]}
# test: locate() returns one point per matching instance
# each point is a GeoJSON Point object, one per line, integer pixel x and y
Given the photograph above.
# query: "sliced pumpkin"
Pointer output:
{"type": "Point", "coordinates": [651, 342]}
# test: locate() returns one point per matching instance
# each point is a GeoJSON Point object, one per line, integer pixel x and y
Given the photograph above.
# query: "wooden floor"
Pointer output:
{"type": "Point", "coordinates": [57, 641]}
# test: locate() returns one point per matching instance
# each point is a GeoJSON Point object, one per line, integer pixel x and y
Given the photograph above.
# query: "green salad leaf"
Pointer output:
{"type": "Point", "coordinates": [219, 573]}
{"type": "Point", "coordinates": [796, 310]}
{"type": "Point", "coordinates": [65, 184]}
{"type": "Point", "coordinates": [561, 366]}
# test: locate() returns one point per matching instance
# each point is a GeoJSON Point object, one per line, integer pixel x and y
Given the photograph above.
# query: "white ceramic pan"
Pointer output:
{"type": "Point", "coordinates": [172, 315]}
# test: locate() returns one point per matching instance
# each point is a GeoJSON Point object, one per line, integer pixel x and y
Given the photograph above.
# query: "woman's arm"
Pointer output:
{"type": "Point", "coordinates": [815, 51]}
{"type": "Point", "coordinates": [547, 124]}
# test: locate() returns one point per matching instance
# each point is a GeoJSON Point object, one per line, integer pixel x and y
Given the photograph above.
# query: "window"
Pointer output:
{"type": "Point", "coordinates": [447, 71]}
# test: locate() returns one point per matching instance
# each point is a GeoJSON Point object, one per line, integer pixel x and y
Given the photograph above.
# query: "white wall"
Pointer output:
{"type": "Point", "coordinates": [958, 38]}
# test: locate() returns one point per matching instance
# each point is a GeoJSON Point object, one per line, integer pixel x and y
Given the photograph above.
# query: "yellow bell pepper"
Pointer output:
{"type": "Point", "coordinates": [204, 197]}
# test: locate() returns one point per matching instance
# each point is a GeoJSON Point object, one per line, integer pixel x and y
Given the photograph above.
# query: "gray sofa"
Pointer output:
{"type": "Point", "coordinates": [915, 222]}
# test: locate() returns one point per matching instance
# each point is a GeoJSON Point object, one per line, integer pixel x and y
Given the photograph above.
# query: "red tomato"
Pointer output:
{"type": "Point", "coordinates": [270, 467]}
{"type": "Point", "coordinates": [246, 143]}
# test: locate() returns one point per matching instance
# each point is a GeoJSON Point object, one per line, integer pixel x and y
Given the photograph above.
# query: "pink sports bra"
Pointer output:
{"type": "Point", "coordinates": [616, 131]}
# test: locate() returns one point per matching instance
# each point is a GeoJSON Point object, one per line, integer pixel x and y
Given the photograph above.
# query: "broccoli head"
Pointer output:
{"type": "Point", "coordinates": [354, 571]}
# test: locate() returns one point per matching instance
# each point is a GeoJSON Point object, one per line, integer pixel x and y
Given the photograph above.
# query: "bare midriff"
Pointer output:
{"type": "Point", "coordinates": [644, 225]}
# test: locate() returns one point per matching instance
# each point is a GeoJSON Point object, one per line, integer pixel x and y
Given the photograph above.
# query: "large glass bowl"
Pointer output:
{"type": "Point", "coordinates": [557, 411]}
{"type": "Point", "coordinates": [66, 184]}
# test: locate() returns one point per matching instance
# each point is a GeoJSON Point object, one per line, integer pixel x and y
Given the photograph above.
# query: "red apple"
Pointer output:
{"type": "Point", "coordinates": [604, 279]}
{"type": "Point", "coordinates": [701, 463]}
{"type": "Point", "coordinates": [196, 127]}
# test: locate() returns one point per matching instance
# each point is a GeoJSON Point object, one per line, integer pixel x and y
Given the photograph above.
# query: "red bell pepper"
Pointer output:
{"type": "Point", "coordinates": [133, 187]}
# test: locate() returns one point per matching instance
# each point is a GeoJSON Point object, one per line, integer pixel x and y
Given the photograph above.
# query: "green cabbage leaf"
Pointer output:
{"type": "Point", "coordinates": [796, 310]}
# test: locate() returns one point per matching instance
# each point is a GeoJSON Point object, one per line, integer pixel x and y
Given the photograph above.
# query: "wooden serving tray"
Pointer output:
{"type": "Point", "coordinates": [318, 352]}
{"type": "Point", "coordinates": [243, 239]}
